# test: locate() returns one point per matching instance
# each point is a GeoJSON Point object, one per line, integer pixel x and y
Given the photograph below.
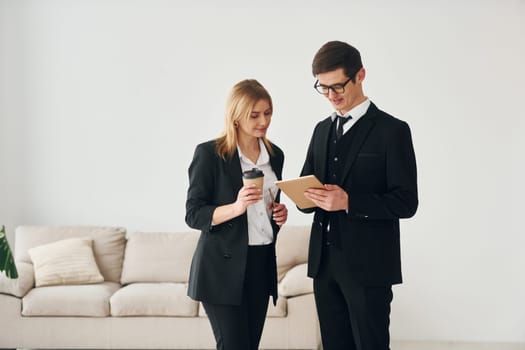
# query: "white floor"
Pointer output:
{"type": "Point", "coordinates": [419, 345]}
{"type": "Point", "coordinates": [429, 345]}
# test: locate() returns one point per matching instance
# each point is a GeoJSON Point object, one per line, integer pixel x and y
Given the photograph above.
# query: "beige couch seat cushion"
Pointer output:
{"type": "Point", "coordinates": [291, 248]}
{"type": "Point", "coordinates": [158, 257]}
{"type": "Point", "coordinates": [82, 300]}
{"type": "Point", "coordinates": [279, 310]}
{"type": "Point", "coordinates": [108, 244]}
{"type": "Point", "coordinates": [68, 261]}
{"type": "Point", "coordinates": [296, 282]}
{"type": "Point", "coordinates": [153, 299]}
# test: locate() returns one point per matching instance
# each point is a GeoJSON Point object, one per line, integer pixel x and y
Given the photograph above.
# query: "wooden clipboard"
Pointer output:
{"type": "Point", "coordinates": [295, 188]}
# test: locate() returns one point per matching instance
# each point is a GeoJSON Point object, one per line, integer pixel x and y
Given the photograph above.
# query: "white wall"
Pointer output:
{"type": "Point", "coordinates": [102, 103]}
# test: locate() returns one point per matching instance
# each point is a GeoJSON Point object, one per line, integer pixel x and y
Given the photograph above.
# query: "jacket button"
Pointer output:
{"type": "Point", "coordinates": [227, 256]}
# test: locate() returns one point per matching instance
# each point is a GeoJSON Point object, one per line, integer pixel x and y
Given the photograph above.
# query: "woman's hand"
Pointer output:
{"type": "Point", "coordinates": [247, 195]}
{"type": "Point", "coordinates": [280, 213]}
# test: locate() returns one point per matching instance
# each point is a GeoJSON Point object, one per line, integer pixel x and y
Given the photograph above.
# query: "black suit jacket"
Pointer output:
{"type": "Point", "coordinates": [379, 175]}
{"type": "Point", "coordinates": [219, 261]}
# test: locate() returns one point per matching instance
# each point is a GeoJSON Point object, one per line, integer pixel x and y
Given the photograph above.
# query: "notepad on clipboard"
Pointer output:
{"type": "Point", "coordinates": [295, 188]}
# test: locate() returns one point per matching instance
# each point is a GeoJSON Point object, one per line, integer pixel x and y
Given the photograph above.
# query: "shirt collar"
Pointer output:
{"type": "Point", "coordinates": [264, 157]}
{"type": "Point", "coordinates": [356, 112]}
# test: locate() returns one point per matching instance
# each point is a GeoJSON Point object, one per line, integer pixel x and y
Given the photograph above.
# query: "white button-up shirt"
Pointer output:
{"type": "Point", "coordinates": [356, 113]}
{"type": "Point", "coordinates": [260, 230]}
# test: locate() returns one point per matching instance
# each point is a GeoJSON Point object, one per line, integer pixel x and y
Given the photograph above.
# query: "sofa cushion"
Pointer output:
{"type": "Point", "coordinates": [158, 257]}
{"type": "Point", "coordinates": [82, 300]}
{"type": "Point", "coordinates": [108, 244]}
{"type": "Point", "coordinates": [280, 309]}
{"type": "Point", "coordinates": [153, 299]}
{"type": "Point", "coordinates": [68, 261]}
{"type": "Point", "coordinates": [291, 248]}
{"type": "Point", "coordinates": [296, 282]}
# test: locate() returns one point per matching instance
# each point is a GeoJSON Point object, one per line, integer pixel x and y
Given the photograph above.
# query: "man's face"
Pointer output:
{"type": "Point", "coordinates": [352, 95]}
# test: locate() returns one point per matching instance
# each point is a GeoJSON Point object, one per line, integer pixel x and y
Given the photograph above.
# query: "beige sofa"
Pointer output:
{"type": "Point", "coordinates": [136, 299]}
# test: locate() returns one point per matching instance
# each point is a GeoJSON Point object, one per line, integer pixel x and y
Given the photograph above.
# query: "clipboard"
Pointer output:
{"type": "Point", "coordinates": [295, 188]}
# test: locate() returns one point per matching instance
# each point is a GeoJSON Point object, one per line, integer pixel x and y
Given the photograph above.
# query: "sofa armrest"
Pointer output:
{"type": "Point", "coordinates": [296, 282]}
{"type": "Point", "coordinates": [21, 285]}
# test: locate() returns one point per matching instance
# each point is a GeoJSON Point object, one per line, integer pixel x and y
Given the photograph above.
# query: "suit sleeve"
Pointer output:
{"type": "Point", "coordinates": [308, 166]}
{"type": "Point", "coordinates": [199, 211]}
{"type": "Point", "coordinates": [400, 199]}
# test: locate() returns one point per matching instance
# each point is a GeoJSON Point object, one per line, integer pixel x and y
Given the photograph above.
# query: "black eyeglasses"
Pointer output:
{"type": "Point", "coordinates": [325, 89]}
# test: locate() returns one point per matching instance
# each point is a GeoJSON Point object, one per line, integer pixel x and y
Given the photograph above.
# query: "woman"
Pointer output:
{"type": "Point", "coordinates": [233, 271]}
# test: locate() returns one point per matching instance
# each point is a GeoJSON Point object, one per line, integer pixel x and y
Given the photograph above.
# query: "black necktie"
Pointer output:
{"type": "Point", "coordinates": [341, 122]}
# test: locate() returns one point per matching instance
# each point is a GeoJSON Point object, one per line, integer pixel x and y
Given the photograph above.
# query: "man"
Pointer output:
{"type": "Point", "coordinates": [368, 166]}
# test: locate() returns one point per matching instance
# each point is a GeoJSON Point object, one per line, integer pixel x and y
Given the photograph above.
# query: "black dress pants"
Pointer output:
{"type": "Point", "coordinates": [239, 327]}
{"type": "Point", "coordinates": [351, 316]}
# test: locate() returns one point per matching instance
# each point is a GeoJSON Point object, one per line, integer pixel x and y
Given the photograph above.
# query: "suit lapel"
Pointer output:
{"type": "Point", "coordinates": [233, 166]}
{"type": "Point", "coordinates": [321, 148]}
{"type": "Point", "coordinates": [276, 166]}
{"type": "Point", "coordinates": [363, 129]}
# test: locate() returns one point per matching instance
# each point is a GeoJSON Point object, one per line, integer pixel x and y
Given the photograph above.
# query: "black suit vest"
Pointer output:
{"type": "Point", "coordinates": [337, 153]}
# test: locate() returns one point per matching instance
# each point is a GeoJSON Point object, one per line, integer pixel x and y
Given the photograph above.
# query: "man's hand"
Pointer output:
{"type": "Point", "coordinates": [330, 198]}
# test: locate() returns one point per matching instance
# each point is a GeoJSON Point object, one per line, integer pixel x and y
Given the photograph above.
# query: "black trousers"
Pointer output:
{"type": "Point", "coordinates": [239, 327]}
{"type": "Point", "coordinates": [351, 316]}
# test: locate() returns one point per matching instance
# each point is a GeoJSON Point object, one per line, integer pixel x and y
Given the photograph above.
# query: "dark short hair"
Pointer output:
{"type": "Point", "coordinates": [334, 55]}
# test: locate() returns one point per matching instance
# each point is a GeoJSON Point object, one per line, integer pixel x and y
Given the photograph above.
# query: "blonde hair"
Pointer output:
{"type": "Point", "coordinates": [239, 105]}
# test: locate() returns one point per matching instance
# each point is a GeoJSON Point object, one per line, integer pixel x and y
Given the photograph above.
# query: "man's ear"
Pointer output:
{"type": "Point", "coordinates": [361, 75]}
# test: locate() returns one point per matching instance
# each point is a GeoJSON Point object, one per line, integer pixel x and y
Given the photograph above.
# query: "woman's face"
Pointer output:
{"type": "Point", "coordinates": [258, 122]}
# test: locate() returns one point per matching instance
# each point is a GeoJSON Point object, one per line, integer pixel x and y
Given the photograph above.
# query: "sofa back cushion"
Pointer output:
{"type": "Point", "coordinates": [291, 248]}
{"type": "Point", "coordinates": [108, 244]}
{"type": "Point", "coordinates": [68, 261]}
{"type": "Point", "coordinates": [158, 257]}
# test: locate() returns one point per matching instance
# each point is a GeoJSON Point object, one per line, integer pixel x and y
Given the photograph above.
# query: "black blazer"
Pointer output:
{"type": "Point", "coordinates": [219, 261]}
{"type": "Point", "coordinates": [379, 175]}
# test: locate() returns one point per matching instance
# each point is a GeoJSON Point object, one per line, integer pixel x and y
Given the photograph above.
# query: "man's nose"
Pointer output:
{"type": "Point", "coordinates": [332, 93]}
